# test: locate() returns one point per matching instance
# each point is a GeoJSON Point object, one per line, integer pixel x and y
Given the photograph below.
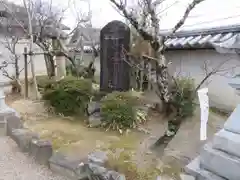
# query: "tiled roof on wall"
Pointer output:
{"type": "Point", "coordinates": [202, 38]}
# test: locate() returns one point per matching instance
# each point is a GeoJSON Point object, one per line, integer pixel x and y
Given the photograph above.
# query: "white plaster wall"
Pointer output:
{"type": "Point", "coordinates": [190, 64]}
{"type": "Point", "coordinates": [5, 55]}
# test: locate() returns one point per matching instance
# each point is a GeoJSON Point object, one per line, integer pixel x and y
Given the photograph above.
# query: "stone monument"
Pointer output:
{"type": "Point", "coordinates": [219, 159]}
{"type": "Point", "coordinates": [114, 71]}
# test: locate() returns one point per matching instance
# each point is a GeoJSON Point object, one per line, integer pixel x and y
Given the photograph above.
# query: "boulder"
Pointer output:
{"type": "Point", "coordinates": [94, 120]}
{"type": "Point", "coordinates": [93, 107]}
{"type": "Point", "coordinates": [13, 122]}
{"type": "Point", "coordinates": [23, 138]}
{"type": "Point", "coordinates": [98, 157]}
{"type": "Point", "coordinates": [113, 175]}
{"type": "Point", "coordinates": [71, 167]}
{"type": "Point", "coordinates": [41, 150]}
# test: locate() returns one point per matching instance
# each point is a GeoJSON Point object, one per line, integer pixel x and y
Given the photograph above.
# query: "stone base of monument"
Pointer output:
{"type": "Point", "coordinates": [220, 158]}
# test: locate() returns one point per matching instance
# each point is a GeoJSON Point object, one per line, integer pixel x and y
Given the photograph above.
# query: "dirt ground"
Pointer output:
{"type": "Point", "coordinates": [71, 135]}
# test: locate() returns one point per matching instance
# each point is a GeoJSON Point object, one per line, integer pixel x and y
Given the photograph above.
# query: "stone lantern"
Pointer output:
{"type": "Point", "coordinates": [4, 108]}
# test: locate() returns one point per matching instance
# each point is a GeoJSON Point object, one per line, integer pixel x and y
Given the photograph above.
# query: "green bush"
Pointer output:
{"type": "Point", "coordinates": [184, 97]}
{"type": "Point", "coordinates": [43, 81]}
{"type": "Point", "coordinates": [68, 96]}
{"type": "Point", "coordinates": [86, 72]}
{"type": "Point", "coordinates": [118, 112]}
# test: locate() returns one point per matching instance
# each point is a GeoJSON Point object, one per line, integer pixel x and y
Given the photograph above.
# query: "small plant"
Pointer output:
{"type": "Point", "coordinates": [118, 112]}
{"type": "Point", "coordinates": [68, 96]}
{"type": "Point", "coordinates": [184, 97]}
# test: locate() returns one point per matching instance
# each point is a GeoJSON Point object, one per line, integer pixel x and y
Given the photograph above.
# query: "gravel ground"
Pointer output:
{"type": "Point", "coordinates": [15, 165]}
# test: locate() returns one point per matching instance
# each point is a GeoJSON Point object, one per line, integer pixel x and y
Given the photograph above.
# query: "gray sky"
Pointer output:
{"type": "Point", "coordinates": [209, 13]}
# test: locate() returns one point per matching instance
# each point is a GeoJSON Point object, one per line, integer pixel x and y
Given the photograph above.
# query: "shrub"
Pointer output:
{"type": "Point", "coordinates": [68, 96]}
{"type": "Point", "coordinates": [43, 81]}
{"type": "Point", "coordinates": [86, 72]}
{"type": "Point", "coordinates": [118, 112]}
{"type": "Point", "coordinates": [184, 97]}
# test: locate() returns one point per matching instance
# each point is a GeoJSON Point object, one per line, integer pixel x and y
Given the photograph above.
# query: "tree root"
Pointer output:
{"type": "Point", "coordinates": [164, 140]}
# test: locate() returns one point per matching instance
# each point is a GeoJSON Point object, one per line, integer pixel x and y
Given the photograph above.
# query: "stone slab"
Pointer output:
{"type": "Point", "coordinates": [187, 177]}
{"type": "Point", "coordinates": [98, 157]}
{"type": "Point", "coordinates": [113, 175]}
{"type": "Point", "coordinates": [41, 150]}
{"type": "Point", "coordinates": [233, 123]}
{"type": "Point", "coordinates": [93, 107]}
{"type": "Point", "coordinates": [13, 122]}
{"type": "Point", "coordinates": [23, 138]}
{"type": "Point", "coordinates": [196, 171]}
{"type": "Point", "coordinates": [227, 141]}
{"type": "Point", "coordinates": [67, 166]}
{"type": "Point", "coordinates": [94, 120]}
{"type": "Point", "coordinates": [220, 163]}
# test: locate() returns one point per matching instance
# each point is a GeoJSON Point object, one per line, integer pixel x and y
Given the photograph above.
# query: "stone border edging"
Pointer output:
{"type": "Point", "coordinates": [42, 151]}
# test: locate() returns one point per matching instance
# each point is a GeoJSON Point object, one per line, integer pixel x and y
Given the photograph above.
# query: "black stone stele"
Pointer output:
{"type": "Point", "coordinates": [114, 43]}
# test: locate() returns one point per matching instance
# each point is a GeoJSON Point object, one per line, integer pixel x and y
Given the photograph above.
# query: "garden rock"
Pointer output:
{"type": "Point", "coordinates": [70, 167]}
{"type": "Point", "coordinates": [93, 107]}
{"type": "Point", "coordinates": [113, 175]}
{"type": "Point", "coordinates": [98, 157]}
{"type": "Point", "coordinates": [94, 120]}
{"type": "Point", "coordinates": [41, 150]}
{"type": "Point", "coordinates": [23, 138]}
{"type": "Point", "coordinates": [97, 169]}
{"type": "Point", "coordinates": [13, 122]}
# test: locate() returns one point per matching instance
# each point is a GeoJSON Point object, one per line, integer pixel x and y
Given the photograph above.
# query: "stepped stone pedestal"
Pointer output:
{"type": "Point", "coordinates": [5, 112]}
{"type": "Point", "coordinates": [220, 158]}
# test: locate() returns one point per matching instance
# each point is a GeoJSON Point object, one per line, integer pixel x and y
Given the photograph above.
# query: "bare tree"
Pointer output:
{"type": "Point", "coordinates": [49, 31]}
{"type": "Point", "coordinates": [29, 9]}
{"type": "Point", "coordinates": [157, 42]}
{"type": "Point", "coordinates": [163, 90]}
{"type": "Point", "coordinates": [12, 59]}
{"type": "Point", "coordinates": [85, 35]}
{"type": "Point", "coordinates": [148, 28]}
{"type": "Point", "coordinates": [43, 25]}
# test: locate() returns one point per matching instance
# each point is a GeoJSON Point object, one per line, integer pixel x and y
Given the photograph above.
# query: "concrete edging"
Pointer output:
{"type": "Point", "coordinates": [42, 151]}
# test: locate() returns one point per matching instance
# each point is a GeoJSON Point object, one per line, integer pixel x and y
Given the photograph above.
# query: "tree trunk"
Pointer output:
{"type": "Point", "coordinates": [50, 66]}
{"type": "Point", "coordinates": [17, 73]}
{"type": "Point", "coordinates": [31, 48]}
{"type": "Point", "coordinates": [16, 84]}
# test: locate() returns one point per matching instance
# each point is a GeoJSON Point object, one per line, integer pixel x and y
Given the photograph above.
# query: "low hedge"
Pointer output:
{"type": "Point", "coordinates": [118, 112]}
{"type": "Point", "coordinates": [68, 96]}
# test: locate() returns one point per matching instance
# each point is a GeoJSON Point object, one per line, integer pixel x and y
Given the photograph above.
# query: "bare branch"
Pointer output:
{"type": "Point", "coordinates": [211, 72]}
{"type": "Point", "coordinates": [190, 7]}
